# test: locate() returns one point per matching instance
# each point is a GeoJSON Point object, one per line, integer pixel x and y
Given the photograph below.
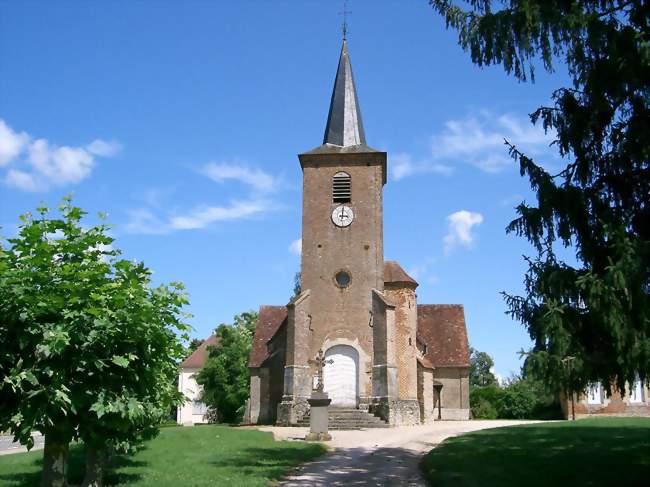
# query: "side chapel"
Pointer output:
{"type": "Point", "coordinates": [403, 362]}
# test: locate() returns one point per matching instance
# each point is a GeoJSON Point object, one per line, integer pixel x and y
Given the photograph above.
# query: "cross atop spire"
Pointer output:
{"type": "Point", "coordinates": [344, 126]}
{"type": "Point", "coordinates": [345, 13]}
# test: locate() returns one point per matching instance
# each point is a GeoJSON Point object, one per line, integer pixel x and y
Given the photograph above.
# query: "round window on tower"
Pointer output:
{"type": "Point", "coordinates": [342, 278]}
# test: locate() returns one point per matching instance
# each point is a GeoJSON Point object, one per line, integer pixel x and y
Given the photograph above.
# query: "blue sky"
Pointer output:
{"type": "Point", "coordinates": [182, 120]}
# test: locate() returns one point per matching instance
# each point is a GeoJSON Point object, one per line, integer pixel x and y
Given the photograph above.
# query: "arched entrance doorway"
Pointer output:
{"type": "Point", "coordinates": [341, 377]}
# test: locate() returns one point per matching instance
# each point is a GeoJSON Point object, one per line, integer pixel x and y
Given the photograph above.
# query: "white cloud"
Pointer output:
{"type": "Point", "coordinates": [402, 165]}
{"type": "Point", "coordinates": [460, 228]}
{"type": "Point", "coordinates": [154, 219]}
{"type": "Point", "coordinates": [477, 139]}
{"type": "Point", "coordinates": [144, 221]}
{"type": "Point", "coordinates": [21, 180]}
{"type": "Point", "coordinates": [11, 143]}
{"type": "Point", "coordinates": [203, 216]}
{"type": "Point", "coordinates": [295, 247]}
{"type": "Point", "coordinates": [102, 148]}
{"type": "Point", "coordinates": [256, 178]}
{"type": "Point", "coordinates": [37, 164]}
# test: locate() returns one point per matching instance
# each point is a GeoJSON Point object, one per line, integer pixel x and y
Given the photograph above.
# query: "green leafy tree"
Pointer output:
{"type": "Point", "coordinates": [517, 400]}
{"type": "Point", "coordinates": [593, 306]}
{"type": "Point", "coordinates": [483, 401]}
{"type": "Point", "coordinates": [88, 349]}
{"type": "Point", "coordinates": [480, 369]}
{"type": "Point", "coordinates": [225, 376]}
{"type": "Point", "coordinates": [297, 286]}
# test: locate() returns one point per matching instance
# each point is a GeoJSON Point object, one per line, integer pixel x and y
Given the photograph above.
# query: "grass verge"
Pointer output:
{"type": "Point", "coordinates": [589, 452]}
{"type": "Point", "coordinates": [200, 456]}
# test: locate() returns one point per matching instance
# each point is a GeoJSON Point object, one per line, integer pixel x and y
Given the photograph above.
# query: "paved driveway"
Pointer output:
{"type": "Point", "coordinates": [376, 457]}
{"type": "Point", "coordinates": [7, 445]}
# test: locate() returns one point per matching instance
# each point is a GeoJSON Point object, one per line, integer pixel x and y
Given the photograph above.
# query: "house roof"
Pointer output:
{"type": "Point", "coordinates": [442, 328]}
{"type": "Point", "coordinates": [394, 274]}
{"type": "Point", "coordinates": [198, 357]}
{"type": "Point", "coordinates": [270, 318]}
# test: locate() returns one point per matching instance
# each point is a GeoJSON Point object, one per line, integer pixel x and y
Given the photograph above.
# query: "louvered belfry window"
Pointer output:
{"type": "Point", "coordinates": [341, 188]}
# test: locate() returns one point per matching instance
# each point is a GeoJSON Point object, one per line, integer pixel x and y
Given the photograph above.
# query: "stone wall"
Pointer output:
{"type": "Point", "coordinates": [455, 391]}
{"type": "Point", "coordinates": [405, 340]}
{"type": "Point", "coordinates": [426, 395]}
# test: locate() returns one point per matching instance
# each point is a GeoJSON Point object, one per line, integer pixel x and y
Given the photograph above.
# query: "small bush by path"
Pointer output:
{"type": "Point", "coordinates": [589, 452]}
{"type": "Point", "coordinates": [199, 456]}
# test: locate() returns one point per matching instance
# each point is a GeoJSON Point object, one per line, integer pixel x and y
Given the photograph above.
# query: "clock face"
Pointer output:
{"type": "Point", "coordinates": [342, 216]}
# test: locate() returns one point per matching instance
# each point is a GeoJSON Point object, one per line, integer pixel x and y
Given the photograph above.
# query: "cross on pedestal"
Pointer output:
{"type": "Point", "coordinates": [320, 362]}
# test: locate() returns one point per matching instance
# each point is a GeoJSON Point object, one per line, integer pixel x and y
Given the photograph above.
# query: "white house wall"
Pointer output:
{"type": "Point", "coordinates": [187, 385]}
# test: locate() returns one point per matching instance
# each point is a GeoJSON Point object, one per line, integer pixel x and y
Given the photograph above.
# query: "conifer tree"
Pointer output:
{"type": "Point", "coordinates": [595, 307]}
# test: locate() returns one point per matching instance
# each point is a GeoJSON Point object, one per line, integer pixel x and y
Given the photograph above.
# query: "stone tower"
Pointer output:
{"type": "Point", "coordinates": [342, 256]}
{"type": "Point", "coordinates": [385, 353]}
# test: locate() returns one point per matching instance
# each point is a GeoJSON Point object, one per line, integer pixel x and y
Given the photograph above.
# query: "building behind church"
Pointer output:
{"type": "Point", "coordinates": [193, 411]}
{"type": "Point", "coordinates": [401, 361]}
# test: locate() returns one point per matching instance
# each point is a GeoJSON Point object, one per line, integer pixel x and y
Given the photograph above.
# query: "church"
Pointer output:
{"type": "Point", "coordinates": [386, 355]}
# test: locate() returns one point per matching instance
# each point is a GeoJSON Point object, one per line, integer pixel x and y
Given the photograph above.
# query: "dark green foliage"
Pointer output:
{"type": "Point", "coordinates": [516, 401]}
{"type": "Point", "coordinates": [595, 307]}
{"type": "Point", "coordinates": [225, 376]}
{"type": "Point", "coordinates": [483, 401]}
{"type": "Point", "coordinates": [297, 287]}
{"type": "Point", "coordinates": [525, 397]}
{"type": "Point", "coordinates": [480, 369]}
{"type": "Point", "coordinates": [194, 344]}
{"type": "Point", "coordinates": [589, 452]}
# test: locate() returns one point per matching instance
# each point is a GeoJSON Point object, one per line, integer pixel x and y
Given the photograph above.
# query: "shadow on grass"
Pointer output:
{"type": "Point", "coordinates": [269, 463]}
{"type": "Point", "coordinates": [31, 473]}
{"type": "Point", "coordinates": [581, 453]}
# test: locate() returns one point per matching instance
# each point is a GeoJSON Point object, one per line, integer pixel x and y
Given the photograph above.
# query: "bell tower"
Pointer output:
{"type": "Point", "coordinates": [342, 266]}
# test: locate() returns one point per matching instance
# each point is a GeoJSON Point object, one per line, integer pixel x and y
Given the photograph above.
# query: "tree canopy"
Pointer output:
{"type": "Point", "coordinates": [225, 376]}
{"type": "Point", "coordinates": [595, 306]}
{"type": "Point", "coordinates": [480, 369]}
{"type": "Point", "coordinates": [88, 349]}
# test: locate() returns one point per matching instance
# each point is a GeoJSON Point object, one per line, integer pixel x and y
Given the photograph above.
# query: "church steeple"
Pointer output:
{"type": "Point", "coordinates": [344, 126]}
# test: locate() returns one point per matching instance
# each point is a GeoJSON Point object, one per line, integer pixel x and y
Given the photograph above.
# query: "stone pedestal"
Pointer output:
{"type": "Point", "coordinates": [319, 417]}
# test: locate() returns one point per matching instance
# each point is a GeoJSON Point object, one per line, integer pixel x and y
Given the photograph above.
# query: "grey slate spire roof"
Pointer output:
{"type": "Point", "coordinates": [344, 126]}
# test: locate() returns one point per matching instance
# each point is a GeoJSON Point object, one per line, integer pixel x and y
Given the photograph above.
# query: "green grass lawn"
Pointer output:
{"type": "Point", "coordinates": [192, 457]}
{"type": "Point", "coordinates": [588, 452]}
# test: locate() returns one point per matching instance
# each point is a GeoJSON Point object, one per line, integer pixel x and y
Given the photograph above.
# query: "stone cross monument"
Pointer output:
{"type": "Point", "coordinates": [319, 402]}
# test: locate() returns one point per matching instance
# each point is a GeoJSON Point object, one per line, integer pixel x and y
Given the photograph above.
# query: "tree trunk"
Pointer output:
{"type": "Point", "coordinates": [95, 465]}
{"type": "Point", "coordinates": [55, 461]}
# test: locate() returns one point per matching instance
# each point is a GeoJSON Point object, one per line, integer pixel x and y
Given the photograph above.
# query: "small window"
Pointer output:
{"type": "Point", "coordinates": [422, 347]}
{"type": "Point", "coordinates": [636, 392]}
{"type": "Point", "coordinates": [594, 394]}
{"type": "Point", "coordinates": [342, 279]}
{"type": "Point", "coordinates": [199, 408]}
{"type": "Point", "coordinates": [341, 188]}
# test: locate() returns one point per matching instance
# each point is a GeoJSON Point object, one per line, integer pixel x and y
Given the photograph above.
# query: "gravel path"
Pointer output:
{"type": "Point", "coordinates": [379, 457]}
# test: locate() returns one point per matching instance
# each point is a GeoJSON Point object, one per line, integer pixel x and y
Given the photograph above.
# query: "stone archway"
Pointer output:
{"type": "Point", "coordinates": [341, 377]}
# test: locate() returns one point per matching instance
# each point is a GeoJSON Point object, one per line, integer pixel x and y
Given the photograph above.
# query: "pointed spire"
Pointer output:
{"type": "Point", "coordinates": [344, 126]}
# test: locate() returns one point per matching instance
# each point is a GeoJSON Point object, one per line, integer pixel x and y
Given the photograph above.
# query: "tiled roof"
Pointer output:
{"type": "Point", "coordinates": [394, 274]}
{"type": "Point", "coordinates": [270, 318]}
{"type": "Point", "coordinates": [442, 328]}
{"type": "Point", "coordinates": [200, 355]}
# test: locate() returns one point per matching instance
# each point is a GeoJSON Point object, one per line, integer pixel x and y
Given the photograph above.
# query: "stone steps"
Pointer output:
{"type": "Point", "coordinates": [348, 419]}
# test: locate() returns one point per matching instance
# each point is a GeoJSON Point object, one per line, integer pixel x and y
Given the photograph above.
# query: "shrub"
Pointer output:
{"type": "Point", "coordinates": [517, 401]}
